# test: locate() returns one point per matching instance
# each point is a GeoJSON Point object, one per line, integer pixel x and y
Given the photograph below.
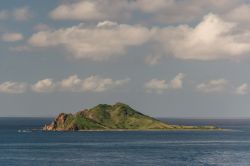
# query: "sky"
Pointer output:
{"type": "Point", "coordinates": [165, 58]}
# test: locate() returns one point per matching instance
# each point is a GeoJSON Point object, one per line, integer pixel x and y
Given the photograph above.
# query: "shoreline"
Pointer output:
{"type": "Point", "coordinates": [124, 130]}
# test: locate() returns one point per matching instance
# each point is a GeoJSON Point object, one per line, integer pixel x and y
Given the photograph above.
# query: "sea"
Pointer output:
{"type": "Point", "coordinates": [21, 145]}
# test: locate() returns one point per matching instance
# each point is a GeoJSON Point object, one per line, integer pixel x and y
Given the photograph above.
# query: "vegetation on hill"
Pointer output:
{"type": "Point", "coordinates": [112, 117]}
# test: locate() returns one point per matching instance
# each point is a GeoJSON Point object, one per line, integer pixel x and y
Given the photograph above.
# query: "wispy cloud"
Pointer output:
{"type": "Point", "coordinates": [18, 14]}
{"type": "Point", "coordinates": [12, 37]}
{"type": "Point", "coordinates": [213, 86]}
{"type": "Point", "coordinates": [242, 89]}
{"type": "Point", "coordinates": [46, 85]}
{"type": "Point", "coordinates": [10, 87]}
{"type": "Point", "coordinates": [93, 83]}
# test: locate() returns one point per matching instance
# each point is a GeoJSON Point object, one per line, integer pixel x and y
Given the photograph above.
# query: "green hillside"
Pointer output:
{"type": "Point", "coordinates": [111, 117]}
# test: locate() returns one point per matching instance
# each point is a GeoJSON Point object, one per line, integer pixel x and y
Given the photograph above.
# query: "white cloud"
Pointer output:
{"type": "Point", "coordinates": [177, 82]}
{"type": "Point", "coordinates": [85, 10]}
{"type": "Point", "coordinates": [46, 85]}
{"type": "Point", "coordinates": [13, 87]}
{"type": "Point", "coordinates": [75, 84]}
{"type": "Point", "coordinates": [242, 89]}
{"type": "Point", "coordinates": [99, 84]}
{"type": "Point", "coordinates": [213, 86]}
{"type": "Point", "coordinates": [72, 83]}
{"type": "Point", "coordinates": [12, 37]}
{"type": "Point", "coordinates": [159, 86]}
{"type": "Point", "coordinates": [19, 14]}
{"type": "Point", "coordinates": [211, 39]}
{"type": "Point", "coordinates": [107, 24]}
{"type": "Point", "coordinates": [156, 85]}
{"type": "Point", "coordinates": [97, 43]}
{"type": "Point", "coordinates": [81, 10]}
{"type": "Point", "coordinates": [166, 11]}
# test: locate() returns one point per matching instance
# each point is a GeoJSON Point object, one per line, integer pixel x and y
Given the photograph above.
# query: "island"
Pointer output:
{"type": "Point", "coordinates": [119, 116]}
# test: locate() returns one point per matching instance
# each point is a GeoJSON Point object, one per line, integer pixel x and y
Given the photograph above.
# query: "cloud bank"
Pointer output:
{"type": "Point", "coordinates": [73, 83]}
{"type": "Point", "coordinates": [105, 40]}
{"type": "Point", "coordinates": [212, 38]}
{"type": "Point", "coordinates": [164, 11]}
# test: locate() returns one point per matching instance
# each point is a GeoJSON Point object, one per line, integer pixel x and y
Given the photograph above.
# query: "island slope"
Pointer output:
{"type": "Point", "coordinates": [112, 117]}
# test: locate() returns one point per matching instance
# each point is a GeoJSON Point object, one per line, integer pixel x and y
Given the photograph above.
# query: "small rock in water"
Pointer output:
{"type": "Point", "coordinates": [24, 131]}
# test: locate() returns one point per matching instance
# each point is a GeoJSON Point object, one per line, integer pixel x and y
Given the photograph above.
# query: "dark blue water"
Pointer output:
{"type": "Point", "coordinates": [177, 148]}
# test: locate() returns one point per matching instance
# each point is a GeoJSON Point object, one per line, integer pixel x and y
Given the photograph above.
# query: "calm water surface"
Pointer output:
{"type": "Point", "coordinates": [168, 148]}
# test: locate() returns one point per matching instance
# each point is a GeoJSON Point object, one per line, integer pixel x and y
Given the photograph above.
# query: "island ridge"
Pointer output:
{"type": "Point", "coordinates": [113, 117]}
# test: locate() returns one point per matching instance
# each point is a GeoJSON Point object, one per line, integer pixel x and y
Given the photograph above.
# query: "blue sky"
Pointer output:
{"type": "Point", "coordinates": [166, 58]}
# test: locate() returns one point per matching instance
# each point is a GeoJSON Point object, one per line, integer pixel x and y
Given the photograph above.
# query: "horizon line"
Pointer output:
{"type": "Point", "coordinates": [157, 117]}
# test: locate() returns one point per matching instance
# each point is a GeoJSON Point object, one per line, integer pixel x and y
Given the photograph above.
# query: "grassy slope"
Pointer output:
{"type": "Point", "coordinates": [118, 116]}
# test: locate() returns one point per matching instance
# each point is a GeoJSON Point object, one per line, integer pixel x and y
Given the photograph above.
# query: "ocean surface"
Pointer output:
{"type": "Point", "coordinates": [19, 146]}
